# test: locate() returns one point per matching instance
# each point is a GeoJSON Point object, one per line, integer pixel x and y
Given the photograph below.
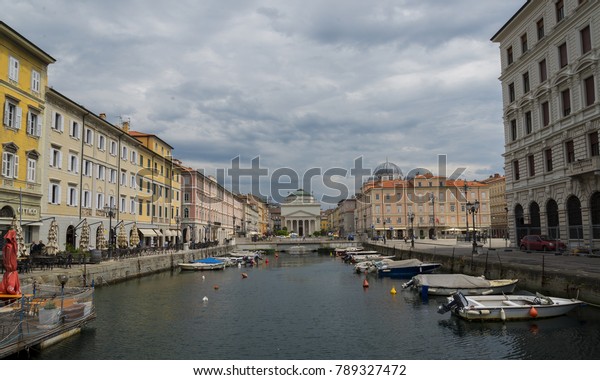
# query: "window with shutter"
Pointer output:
{"type": "Point", "coordinates": [13, 69]}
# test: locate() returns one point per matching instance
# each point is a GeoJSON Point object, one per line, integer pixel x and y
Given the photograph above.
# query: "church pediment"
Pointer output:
{"type": "Point", "coordinates": [300, 214]}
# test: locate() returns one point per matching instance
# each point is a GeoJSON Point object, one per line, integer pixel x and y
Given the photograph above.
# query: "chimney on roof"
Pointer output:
{"type": "Point", "coordinates": [102, 116]}
{"type": "Point", "coordinates": [125, 126]}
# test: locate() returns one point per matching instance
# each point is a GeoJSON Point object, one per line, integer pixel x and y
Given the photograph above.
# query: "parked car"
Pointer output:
{"type": "Point", "coordinates": [541, 243]}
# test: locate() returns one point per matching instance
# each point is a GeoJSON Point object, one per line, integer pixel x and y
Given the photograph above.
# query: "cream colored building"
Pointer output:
{"type": "Point", "coordinates": [90, 164]}
{"type": "Point", "coordinates": [549, 77]}
{"type": "Point", "coordinates": [301, 213]}
{"type": "Point", "coordinates": [425, 205]}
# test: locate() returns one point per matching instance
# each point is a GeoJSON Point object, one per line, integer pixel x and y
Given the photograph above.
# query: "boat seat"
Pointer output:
{"type": "Point", "coordinates": [509, 303]}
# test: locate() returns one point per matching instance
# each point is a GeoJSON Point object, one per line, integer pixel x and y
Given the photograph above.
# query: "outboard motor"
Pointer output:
{"type": "Point", "coordinates": [458, 300]}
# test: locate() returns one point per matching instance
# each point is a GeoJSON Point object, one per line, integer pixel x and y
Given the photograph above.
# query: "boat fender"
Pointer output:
{"type": "Point", "coordinates": [533, 312]}
{"type": "Point", "coordinates": [478, 312]}
{"type": "Point", "coordinates": [502, 314]}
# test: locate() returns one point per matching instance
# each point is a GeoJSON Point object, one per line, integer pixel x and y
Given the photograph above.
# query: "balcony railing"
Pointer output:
{"type": "Point", "coordinates": [584, 166]}
{"type": "Point", "coordinates": [15, 184]}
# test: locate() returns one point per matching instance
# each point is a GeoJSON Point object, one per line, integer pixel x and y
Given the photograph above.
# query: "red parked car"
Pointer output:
{"type": "Point", "coordinates": [541, 243]}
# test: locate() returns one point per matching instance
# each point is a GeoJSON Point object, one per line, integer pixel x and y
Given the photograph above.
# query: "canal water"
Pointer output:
{"type": "Point", "coordinates": [305, 307]}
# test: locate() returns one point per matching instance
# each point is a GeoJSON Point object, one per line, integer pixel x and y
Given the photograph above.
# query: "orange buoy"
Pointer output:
{"type": "Point", "coordinates": [533, 312]}
{"type": "Point", "coordinates": [365, 283]}
{"type": "Point", "coordinates": [216, 287]}
{"type": "Point", "coordinates": [244, 275]}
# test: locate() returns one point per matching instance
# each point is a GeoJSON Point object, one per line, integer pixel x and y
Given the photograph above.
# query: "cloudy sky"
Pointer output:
{"type": "Point", "coordinates": [311, 84]}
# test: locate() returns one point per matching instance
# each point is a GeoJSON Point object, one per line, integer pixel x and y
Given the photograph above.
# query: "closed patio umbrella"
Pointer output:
{"type": "Point", "coordinates": [122, 237]}
{"type": "Point", "coordinates": [52, 246]}
{"type": "Point", "coordinates": [21, 250]}
{"type": "Point", "coordinates": [100, 238]}
{"type": "Point", "coordinates": [84, 241]}
{"type": "Point", "coordinates": [134, 239]}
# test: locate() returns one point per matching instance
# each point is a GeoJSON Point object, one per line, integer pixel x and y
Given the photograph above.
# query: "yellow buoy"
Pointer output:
{"type": "Point", "coordinates": [393, 291]}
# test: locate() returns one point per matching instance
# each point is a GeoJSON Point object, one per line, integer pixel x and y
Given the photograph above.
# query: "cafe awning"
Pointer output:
{"type": "Point", "coordinates": [158, 233]}
{"type": "Point", "coordinates": [146, 232]}
{"type": "Point", "coordinates": [167, 233]}
{"type": "Point", "coordinates": [176, 233]}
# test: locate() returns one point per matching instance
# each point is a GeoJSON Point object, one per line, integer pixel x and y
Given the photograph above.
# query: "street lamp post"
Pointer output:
{"type": "Point", "coordinates": [506, 232]}
{"type": "Point", "coordinates": [411, 217]}
{"type": "Point", "coordinates": [177, 239]}
{"type": "Point", "coordinates": [432, 197]}
{"type": "Point", "coordinates": [110, 212]}
{"type": "Point", "coordinates": [473, 208]}
{"type": "Point", "coordinates": [466, 213]}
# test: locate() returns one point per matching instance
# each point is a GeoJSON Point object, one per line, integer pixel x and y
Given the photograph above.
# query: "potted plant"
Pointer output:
{"type": "Point", "coordinates": [49, 314]}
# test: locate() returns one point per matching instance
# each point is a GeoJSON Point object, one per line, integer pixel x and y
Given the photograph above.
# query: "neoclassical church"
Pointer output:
{"type": "Point", "coordinates": [301, 213]}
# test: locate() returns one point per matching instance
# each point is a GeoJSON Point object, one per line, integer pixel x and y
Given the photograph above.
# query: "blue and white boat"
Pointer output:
{"type": "Point", "coordinates": [405, 268]}
{"type": "Point", "coordinates": [209, 263]}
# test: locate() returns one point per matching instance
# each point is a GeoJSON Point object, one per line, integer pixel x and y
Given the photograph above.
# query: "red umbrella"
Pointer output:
{"type": "Point", "coordinates": [10, 281]}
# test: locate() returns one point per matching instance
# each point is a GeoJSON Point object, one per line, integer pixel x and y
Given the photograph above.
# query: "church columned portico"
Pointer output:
{"type": "Point", "coordinates": [303, 227]}
{"type": "Point", "coordinates": [301, 213]}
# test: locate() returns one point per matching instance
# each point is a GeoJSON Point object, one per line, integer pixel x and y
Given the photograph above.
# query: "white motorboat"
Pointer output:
{"type": "Point", "coordinates": [507, 307]}
{"type": "Point", "coordinates": [210, 263]}
{"type": "Point", "coordinates": [448, 284]}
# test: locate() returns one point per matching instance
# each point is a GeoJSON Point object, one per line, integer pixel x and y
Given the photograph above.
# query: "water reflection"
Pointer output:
{"type": "Point", "coordinates": [304, 307]}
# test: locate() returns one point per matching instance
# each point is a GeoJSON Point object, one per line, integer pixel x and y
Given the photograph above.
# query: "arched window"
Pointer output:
{"type": "Point", "coordinates": [552, 219]}
{"type": "Point", "coordinates": [520, 222]}
{"type": "Point", "coordinates": [595, 215]}
{"type": "Point", "coordinates": [534, 219]}
{"type": "Point", "coordinates": [574, 218]}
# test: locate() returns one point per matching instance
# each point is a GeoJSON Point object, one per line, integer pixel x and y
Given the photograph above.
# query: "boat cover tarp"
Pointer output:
{"type": "Point", "coordinates": [404, 263]}
{"type": "Point", "coordinates": [451, 281]}
{"type": "Point", "coordinates": [209, 260]}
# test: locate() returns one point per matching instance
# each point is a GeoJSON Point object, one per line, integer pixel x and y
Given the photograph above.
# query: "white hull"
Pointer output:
{"type": "Point", "coordinates": [201, 266]}
{"type": "Point", "coordinates": [515, 307]}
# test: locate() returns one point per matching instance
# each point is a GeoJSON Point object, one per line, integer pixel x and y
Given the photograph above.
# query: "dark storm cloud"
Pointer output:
{"type": "Point", "coordinates": [301, 84]}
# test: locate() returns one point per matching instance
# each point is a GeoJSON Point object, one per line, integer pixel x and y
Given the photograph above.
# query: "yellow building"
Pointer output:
{"type": "Point", "coordinates": [159, 191]}
{"type": "Point", "coordinates": [23, 82]}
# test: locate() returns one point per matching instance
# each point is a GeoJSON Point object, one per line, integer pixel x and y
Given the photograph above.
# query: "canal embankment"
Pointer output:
{"type": "Point", "coordinates": [552, 274]}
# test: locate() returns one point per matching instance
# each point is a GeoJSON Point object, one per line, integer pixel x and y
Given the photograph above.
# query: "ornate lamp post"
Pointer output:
{"type": "Point", "coordinates": [473, 208]}
{"type": "Point", "coordinates": [110, 212]}
{"type": "Point", "coordinates": [365, 224]}
{"type": "Point", "coordinates": [411, 217]}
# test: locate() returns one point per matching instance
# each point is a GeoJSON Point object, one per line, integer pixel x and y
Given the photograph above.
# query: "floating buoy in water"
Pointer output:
{"type": "Point", "coordinates": [266, 261]}
{"type": "Point", "coordinates": [203, 278]}
{"type": "Point", "coordinates": [276, 255]}
{"type": "Point", "coordinates": [239, 265]}
{"type": "Point", "coordinates": [393, 291]}
{"type": "Point", "coordinates": [216, 287]}
{"type": "Point", "coordinates": [205, 299]}
{"type": "Point", "coordinates": [502, 315]}
{"type": "Point", "coordinates": [533, 312]}
{"type": "Point", "coordinates": [244, 275]}
{"type": "Point", "coordinates": [365, 283]}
